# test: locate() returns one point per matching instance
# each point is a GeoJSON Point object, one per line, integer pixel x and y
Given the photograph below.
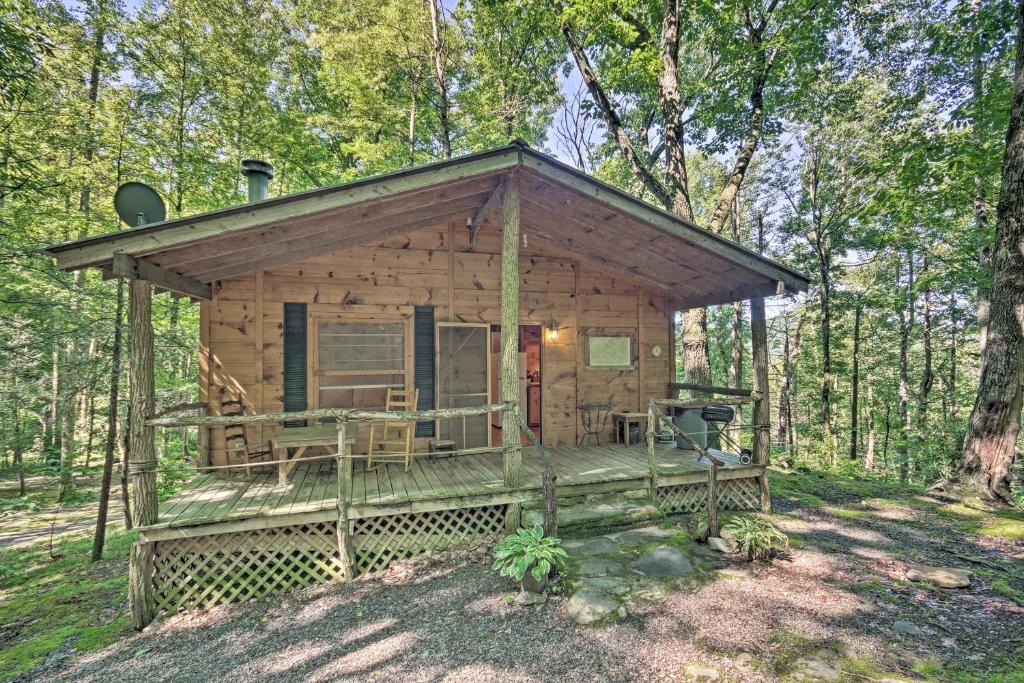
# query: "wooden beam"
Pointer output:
{"type": "Point", "coordinates": [481, 214]}
{"type": "Point", "coordinates": [130, 268]}
{"type": "Point", "coordinates": [762, 410]}
{"type": "Point", "coordinates": [512, 454]}
{"type": "Point", "coordinates": [725, 391]}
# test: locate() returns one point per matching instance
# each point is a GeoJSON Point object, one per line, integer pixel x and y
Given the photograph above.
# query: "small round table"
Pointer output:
{"type": "Point", "coordinates": [594, 418]}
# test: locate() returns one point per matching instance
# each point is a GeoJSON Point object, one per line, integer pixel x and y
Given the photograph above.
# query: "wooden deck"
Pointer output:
{"type": "Point", "coordinates": [430, 485]}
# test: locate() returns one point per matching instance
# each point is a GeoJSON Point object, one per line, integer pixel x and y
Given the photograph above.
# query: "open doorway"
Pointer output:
{"type": "Point", "coordinates": [529, 379]}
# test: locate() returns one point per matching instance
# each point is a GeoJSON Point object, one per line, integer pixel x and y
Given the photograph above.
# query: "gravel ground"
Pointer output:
{"type": "Point", "coordinates": [428, 620]}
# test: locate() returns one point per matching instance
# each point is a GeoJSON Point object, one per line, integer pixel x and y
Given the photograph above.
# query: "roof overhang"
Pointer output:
{"type": "Point", "coordinates": [560, 205]}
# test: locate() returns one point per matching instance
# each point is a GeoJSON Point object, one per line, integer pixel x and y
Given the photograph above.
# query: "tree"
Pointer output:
{"type": "Point", "coordinates": [990, 444]}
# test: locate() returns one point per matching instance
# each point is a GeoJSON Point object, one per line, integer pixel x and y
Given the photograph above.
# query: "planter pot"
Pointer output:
{"type": "Point", "coordinates": [532, 585]}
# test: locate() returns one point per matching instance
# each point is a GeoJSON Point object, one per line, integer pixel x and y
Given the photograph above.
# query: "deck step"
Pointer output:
{"type": "Point", "coordinates": [597, 513]}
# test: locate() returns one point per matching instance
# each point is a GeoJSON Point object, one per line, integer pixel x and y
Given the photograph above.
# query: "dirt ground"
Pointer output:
{"type": "Point", "coordinates": [837, 607]}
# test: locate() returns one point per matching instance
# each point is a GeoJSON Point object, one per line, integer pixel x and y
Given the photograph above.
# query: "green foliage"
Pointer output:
{"type": "Point", "coordinates": [756, 537]}
{"type": "Point", "coordinates": [529, 550]}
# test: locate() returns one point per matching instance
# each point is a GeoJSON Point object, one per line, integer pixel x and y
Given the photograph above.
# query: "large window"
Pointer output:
{"type": "Point", "coordinates": [356, 363]}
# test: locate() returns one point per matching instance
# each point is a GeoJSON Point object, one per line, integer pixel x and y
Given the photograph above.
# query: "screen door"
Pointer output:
{"type": "Point", "coordinates": [463, 381]}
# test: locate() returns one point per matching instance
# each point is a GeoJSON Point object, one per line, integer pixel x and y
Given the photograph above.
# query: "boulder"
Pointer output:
{"type": "Point", "coordinates": [528, 599]}
{"type": "Point", "coordinates": [819, 666]}
{"type": "Point", "coordinates": [589, 547]}
{"type": "Point", "coordinates": [943, 577]}
{"type": "Point", "coordinates": [722, 545]}
{"type": "Point", "coordinates": [588, 606]}
{"type": "Point", "coordinates": [614, 585]}
{"type": "Point", "coordinates": [662, 562]}
{"type": "Point", "coordinates": [907, 628]}
{"type": "Point", "coordinates": [699, 672]}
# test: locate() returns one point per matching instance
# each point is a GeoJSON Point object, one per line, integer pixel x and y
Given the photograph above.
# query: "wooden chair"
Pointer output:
{"type": "Point", "coordinates": [236, 443]}
{"type": "Point", "coordinates": [392, 441]}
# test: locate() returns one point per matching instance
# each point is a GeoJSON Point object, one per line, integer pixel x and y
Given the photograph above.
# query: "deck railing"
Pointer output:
{"type": "Point", "coordinates": [343, 417]}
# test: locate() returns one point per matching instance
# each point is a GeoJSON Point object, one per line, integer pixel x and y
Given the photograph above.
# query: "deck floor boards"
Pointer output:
{"type": "Point", "coordinates": [208, 498]}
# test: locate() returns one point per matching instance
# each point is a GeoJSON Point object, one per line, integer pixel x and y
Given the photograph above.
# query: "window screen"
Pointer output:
{"type": "Point", "coordinates": [358, 362]}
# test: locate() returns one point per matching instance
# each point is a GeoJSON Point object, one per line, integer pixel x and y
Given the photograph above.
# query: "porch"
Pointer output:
{"type": "Point", "coordinates": [430, 485]}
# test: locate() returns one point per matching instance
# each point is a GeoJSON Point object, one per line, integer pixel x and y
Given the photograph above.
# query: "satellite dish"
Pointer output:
{"type": "Point", "coordinates": [139, 204]}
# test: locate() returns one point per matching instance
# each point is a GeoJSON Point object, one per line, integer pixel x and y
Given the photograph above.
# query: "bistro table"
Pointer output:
{"type": "Point", "coordinates": [301, 439]}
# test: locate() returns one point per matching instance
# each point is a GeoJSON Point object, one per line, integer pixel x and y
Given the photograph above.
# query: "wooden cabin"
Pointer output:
{"type": "Point", "coordinates": [503, 279]}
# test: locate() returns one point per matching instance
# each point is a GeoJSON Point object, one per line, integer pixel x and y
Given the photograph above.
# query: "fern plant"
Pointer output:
{"type": "Point", "coordinates": [529, 550]}
{"type": "Point", "coordinates": [756, 537]}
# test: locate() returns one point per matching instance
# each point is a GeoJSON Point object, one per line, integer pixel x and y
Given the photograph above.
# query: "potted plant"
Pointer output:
{"type": "Point", "coordinates": [528, 556]}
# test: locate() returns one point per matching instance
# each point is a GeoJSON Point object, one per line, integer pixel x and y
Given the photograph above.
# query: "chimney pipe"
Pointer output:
{"type": "Point", "coordinates": [258, 174]}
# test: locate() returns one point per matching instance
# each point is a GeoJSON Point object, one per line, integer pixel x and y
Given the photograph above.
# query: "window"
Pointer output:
{"type": "Point", "coordinates": [358, 361]}
{"type": "Point", "coordinates": [609, 351]}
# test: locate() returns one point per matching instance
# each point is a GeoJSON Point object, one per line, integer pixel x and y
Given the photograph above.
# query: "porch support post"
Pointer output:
{"type": "Point", "coordinates": [762, 410]}
{"type": "Point", "coordinates": [344, 493]}
{"type": "Point", "coordinates": [141, 451]}
{"type": "Point", "coordinates": [512, 453]}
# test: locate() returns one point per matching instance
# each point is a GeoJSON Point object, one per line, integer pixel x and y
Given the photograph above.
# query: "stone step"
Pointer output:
{"type": "Point", "coordinates": [597, 512]}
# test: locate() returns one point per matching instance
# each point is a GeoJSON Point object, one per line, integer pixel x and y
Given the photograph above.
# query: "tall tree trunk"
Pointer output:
{"type": "Point", "coordinates": [438, 53]}
{"type": "Point", "coordinates": [100, 535]}
{"type": "Point", "coordinates": [927, 377]}
{"type": "Point", "coordinates": [782, 427]}
{"type": "Point", "coordinates": [906, 325]}
{"type": "Point", "coordinates": [981, 234]}
{"type": "Point", "coordinates": [736, 334]}
{"type": "Point", "coordinates": [855, 383]}
{"type": "Point", "coordinates": [869, 454]}
{"type": "Point", "coordinates": [954, 412]}
{"type": "Point", "coordinates": [824, 303]}
{"type": "Point", "coordinates": [16, 420]}
{"type": "Point", "coordinates": [990, 443]}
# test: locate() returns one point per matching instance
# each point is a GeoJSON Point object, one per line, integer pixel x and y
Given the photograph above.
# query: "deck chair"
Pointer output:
{"type": "Point", "coordinates": [392, 441]}
{"type": "Point", "coordinates": [236, 442]}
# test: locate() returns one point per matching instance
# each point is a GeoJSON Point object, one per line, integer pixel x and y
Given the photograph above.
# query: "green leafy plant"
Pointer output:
{"type": "Point", "coordinates": [529, 550]}
{"type": "Point", "coordinates": [756, 537]}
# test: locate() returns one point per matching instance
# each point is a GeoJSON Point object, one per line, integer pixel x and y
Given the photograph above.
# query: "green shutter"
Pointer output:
{"type": "Point", "coordinates": [294, 361]}
{"type": "Point", "coordinates": [423, 364]}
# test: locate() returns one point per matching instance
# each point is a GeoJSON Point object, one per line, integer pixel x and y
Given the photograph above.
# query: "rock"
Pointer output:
{"type": "Point", "coordinates": [663, 562]}
{"type": "Point", "coordinates": [653, 593]}
{"type": "Point", "coordinates": [819, 666]}
{"type": "Point", "coordinates": [588, 547]}
{"type": "Point", "coordinates": [943, 577]}
{"type": "Point", "coordinates": [743, 660]}
{"type": "Point", "coordinates": [907, 628]}
{"type": "Point", "coordinates": [730, 574]}
{"type": "Point", "coordinates": [722, 545]}
{"type": "Point", "coordinates": [648, 534]}
{"type": "Point", "coordinates": [698, 672]}
{"type": "Point", "coordinates": [597, 566]}
{"type": "Point", "coordinates": [589, 605]}
{"type": "Point", "coordinates": [609, 584]}
{"type": "Point", "coordinates": [527, 598]}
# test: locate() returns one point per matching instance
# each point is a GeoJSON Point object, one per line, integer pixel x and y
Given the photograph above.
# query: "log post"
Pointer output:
{"type": "Point", "coordinates": [712, 497]}
{"type": "Point", "coordinates": [345, 554]}
{"type": "Point", "coordinates": [141, 451]}
{"type": "Point", "coordinates": [762, 410]}
{"type": "Point", "coordinates": [512, 454]}
{"type": "Point", "coordinates": [652, 430]}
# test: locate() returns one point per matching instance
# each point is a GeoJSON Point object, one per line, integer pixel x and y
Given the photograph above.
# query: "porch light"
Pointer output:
{"type": "Point", "coordinates": [552, 331]}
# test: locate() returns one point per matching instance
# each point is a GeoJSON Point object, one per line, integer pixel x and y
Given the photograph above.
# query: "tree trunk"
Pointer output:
{"type": "Point", "coordinates": [981, 234]}
{"type": "Point", "coordinates": [824, 303]}
{"type": "Point", "coordinates": [906, 324]}
{"type": "Point", "coordinates": [869, 455]}
{"type": "Point", "coordinates": [927, 378]}
{"type": "Point", "coordinates": [762, 414]}
{"type": "Point", "coordinates": [142, 453]}
{"type": "Point", "coordinates": [99, 538]}
{"type": "Point", "coordinates": [736, 334]}
{"type": "Point", "coordinates": [989, 446]}
{"type": "Point", "coordinates": [512, 459]}
{"type": "Point", "coordinates": [696, 366]}
{"type": "Point", "coordinates": [437, 50]}
{"type": "Point", "coordinates": [855, 383]}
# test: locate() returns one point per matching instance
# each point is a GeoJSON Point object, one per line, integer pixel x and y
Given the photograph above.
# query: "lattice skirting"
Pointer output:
{"type": "Point", "coordinates": [379, 541]}
{"type": "Point", "coordinates": [203, 571]}
{"type": "Point", "coordinates": [733, 494]}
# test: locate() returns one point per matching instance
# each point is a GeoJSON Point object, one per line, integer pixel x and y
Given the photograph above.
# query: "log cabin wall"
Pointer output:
{"type": "Point", "coordinates": [241, 330]}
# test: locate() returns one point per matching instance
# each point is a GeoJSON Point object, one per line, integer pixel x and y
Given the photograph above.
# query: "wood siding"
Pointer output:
{"type": "Point", "coordinates": [242, 337]}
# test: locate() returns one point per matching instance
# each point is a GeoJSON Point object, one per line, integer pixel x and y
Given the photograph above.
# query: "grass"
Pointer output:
{"type": "Point", "coordinates": [52, 599]}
